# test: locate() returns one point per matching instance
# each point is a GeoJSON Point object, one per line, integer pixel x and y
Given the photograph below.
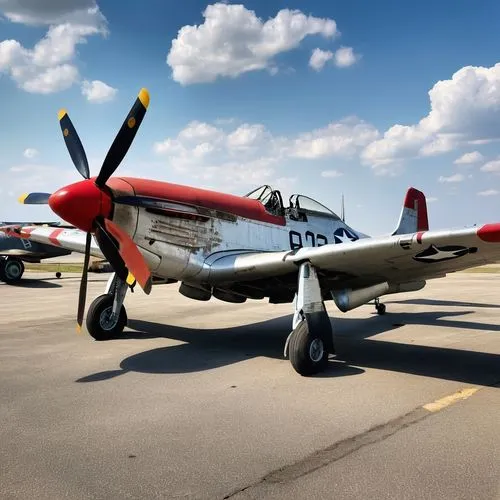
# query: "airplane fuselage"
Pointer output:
{"type": "Point", "coordinates": [177, 231]}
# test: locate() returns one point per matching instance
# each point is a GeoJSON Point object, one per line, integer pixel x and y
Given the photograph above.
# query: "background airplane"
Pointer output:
{"type": "Point", "coordinates": [236, 248]}
{"type": "Point", "coordinates": [15, 251]}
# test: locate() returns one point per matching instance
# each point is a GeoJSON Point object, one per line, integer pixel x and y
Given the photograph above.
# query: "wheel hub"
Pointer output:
{"type": "Point", "coordinates": [108, 320]}
{"type": "Point", "coordinates": [12, 270]}
{"type": "Point", "coordinates": [316, 350]}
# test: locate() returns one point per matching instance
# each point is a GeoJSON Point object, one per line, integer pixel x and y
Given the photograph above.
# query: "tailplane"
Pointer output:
{"type": "Point", "coordinates": [413, 216]}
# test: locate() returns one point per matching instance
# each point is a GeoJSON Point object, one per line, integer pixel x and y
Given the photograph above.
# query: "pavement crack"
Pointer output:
{"type": "Point", "coordinates": [341, 449]}
{"type": "Point", "coordinates": [337, 451]}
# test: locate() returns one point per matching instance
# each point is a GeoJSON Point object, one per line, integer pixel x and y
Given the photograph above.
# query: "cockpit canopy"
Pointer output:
{"type": "Point", "coordinates": [299, 205]}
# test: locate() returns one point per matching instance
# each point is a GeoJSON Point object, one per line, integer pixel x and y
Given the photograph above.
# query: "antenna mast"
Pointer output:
{"type": "Point", "coordinates": [342, 209]}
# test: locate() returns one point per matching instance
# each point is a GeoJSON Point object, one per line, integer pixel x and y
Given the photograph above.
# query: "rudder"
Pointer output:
{"type": "Point", "coordinates": [413, 216]}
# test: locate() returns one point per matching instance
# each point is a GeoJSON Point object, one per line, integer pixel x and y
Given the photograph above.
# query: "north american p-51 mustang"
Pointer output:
{"type": "Point", "coordinates": [14, 252]}
{"type": "Point", "coordinates": [236, 248]}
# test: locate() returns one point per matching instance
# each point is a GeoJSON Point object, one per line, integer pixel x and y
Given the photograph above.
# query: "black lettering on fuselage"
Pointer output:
{"type": "Point", "coordinates": [310, 239]}
{"type": "Point", "coordinates": [295, 240]}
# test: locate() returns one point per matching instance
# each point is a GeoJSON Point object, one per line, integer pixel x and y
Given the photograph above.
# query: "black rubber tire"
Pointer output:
{"type": "Point", "coordinates": [11, 270]}
{"type": "Point", "coordinates": [381, 309]}
{"type": "Point", "coordinates": [58, 274]}
{"type": "Point", "coordinates": [299, 351]}
{"type": "Point", "coordinates": [98, 306]}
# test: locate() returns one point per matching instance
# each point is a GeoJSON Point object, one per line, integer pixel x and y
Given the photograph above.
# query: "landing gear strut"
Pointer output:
{"type": "Point", "coordinates": [11, 270]}
{"type": "Point", "coordinates": [379, 307]}
{"type": "Point", "coordinates": [311, 339]}
{"type": "Point", "coordinates": [107, 317]}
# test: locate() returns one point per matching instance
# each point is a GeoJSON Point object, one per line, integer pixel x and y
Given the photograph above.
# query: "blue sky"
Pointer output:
{"type": "Point", "coordinates": [317, 97]}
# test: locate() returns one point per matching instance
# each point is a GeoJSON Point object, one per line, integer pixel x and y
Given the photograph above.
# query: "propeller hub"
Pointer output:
{"type": "Point", "coordinates": [80, 203]}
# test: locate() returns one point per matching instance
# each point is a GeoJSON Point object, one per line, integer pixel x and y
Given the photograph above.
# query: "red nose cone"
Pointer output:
{"type": "Point", "coordinates": [80, 203]}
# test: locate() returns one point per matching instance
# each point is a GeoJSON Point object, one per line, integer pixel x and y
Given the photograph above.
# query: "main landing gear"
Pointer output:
{"type": "Point", "coordinates": [311, 339]}
{"type": "Point", "coordinates": [11, 270]}
{"type": "Point", "coordinates": [379, 307]}
{"type": "Point", "coordinates": [106, 317]}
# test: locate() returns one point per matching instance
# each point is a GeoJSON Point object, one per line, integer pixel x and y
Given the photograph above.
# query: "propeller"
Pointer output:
{"type": "Point", "coordinates": [124, 138]}
{"type": "Point", "coordinates": [34, 198]}
{"type": "Point", "coordinates": [88, 204]}
{"type": "Point", "coordinates": [83, 283]}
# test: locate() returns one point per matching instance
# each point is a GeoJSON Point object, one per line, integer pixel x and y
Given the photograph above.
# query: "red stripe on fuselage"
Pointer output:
{"type": "Point", "coordinates": [419, 236]}
{"type": "Point", "coordinates": [490, 233]}
{"type": "Point", "coordinates": [24, 233]}
{"type": "Point", "coordinates": [53, 236]}
{"type": "Point", "coordinates": [236, 205]}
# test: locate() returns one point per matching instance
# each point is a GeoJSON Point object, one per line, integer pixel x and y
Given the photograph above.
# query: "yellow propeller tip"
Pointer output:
{"type": "Point", "coordinates": [22, 198]}
{"type": "Point", "coordinates": [144, 97]}
{"type": "Point", "coordinates": [78, 329]}
{"type": "Point", "coordinates": [61, 113]}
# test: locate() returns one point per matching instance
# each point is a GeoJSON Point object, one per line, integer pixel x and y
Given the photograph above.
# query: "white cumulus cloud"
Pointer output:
{"type": "Point", "coordinates": [48, 66]}
{"type": "Point", "coordinates": [344, 138]}
{"type": "Point", "coordinates": [491, 166]}
{"type": "Point", "coordinates": [452, 178]}
{"type": "Point", "coordinates": [469, 158]}
{"type": "Point", "coordinates": [319, 58]}
{"type": "Point", "coordinates": [232, 40]}
{"type": "Point", "coordinates": [51, 12]}
{"type": "Point", "coordinates": [249, 154]}
{"type": "Point", "coordinates": [30, 153]}
{"type": "Point", "coordinates": [345, 57]}
{"type": "Point", "coordinates": [97, 91]}
{"type": "Point", "coordinates": [331, 173]}
{"type": "Point", "coordinates": [463, 110]}
{"type": "Point", "coordinates": [488, 192]}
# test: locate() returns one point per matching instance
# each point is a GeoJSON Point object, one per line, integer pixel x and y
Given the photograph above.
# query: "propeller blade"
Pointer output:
{"type": "Point", "coordinates": [34, 198]}
{"type": "Point", "coordinates": [109, 248]}
{"type": "Point", "coordinates": [124, 138]}
{"type": "Point", "coordinates": [83, 284]}
{"type": "Point", "coordinates": [74, 144]}
{"type": "Point", "coordinates": [131, 255]}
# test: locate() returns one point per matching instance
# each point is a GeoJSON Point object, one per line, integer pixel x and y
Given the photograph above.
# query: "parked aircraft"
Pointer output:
{"type": "Point", "coordinates": [15, 251]}
{"type": "Point", "coordinates": [236, 248]}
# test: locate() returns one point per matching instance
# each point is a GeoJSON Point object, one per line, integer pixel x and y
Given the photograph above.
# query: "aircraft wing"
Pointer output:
{"type": "Point", "coordinates": [395, 259]}
{"type": "Point", "coordinates": [67, 238]}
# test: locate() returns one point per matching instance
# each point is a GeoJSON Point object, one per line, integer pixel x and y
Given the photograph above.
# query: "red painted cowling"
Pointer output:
{"type": "Point", "coordinates": [236, 205]}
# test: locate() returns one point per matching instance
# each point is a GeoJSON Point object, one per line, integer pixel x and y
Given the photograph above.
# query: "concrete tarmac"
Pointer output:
{"type": "Point", "coordinates": [196, 400]}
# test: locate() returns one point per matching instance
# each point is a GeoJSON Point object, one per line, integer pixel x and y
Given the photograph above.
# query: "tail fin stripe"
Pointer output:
{"type": "Point", "coordinates": [413, 216]}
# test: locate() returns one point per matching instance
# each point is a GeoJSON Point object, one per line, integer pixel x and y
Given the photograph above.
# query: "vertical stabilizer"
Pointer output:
{"type": "Point", "coordinates": [413, 216]}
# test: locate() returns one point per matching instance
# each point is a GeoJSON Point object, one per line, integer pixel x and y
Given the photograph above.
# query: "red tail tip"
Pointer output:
{"type": "Point", "coordinates": [415, 200]}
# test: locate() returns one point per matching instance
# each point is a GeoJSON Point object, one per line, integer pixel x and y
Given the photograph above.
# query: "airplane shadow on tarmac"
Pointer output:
{"type": "Point", "coordinates": [434, 302]}
{"type": "Point", "coordinates": [209, 349]}
{"type": "Point", "coordinates": [34, 283]}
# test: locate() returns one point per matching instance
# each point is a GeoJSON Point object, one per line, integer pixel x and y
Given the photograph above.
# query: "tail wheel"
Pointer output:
{"type": "Point", "coordinates": [11, 270]}
{"type": "Point", "coordinates": [100, 324]}
{"type": "Point", "coordinates": [308, 351]}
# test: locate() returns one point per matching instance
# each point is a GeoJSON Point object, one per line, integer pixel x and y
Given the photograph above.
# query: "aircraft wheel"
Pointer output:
{"type": "Point", "coordinates": [307, 351]}
{"type": "Point", "coordinates": [98, 322]}
{"type": "Point", "coordinates": [11, 270]}
{"type": "Point", "coordinates": [380, 309]}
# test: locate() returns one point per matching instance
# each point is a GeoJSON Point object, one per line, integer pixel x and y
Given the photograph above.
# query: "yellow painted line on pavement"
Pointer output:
{"type": "Point", "coordinates": [442, 403]}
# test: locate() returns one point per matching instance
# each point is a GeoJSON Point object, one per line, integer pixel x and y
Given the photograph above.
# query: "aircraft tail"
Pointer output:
{"type": "Point", "coordinates": [413, 216]}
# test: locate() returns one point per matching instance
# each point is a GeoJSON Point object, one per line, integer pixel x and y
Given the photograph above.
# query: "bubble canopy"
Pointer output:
{"type": "Point", "coordinates": [270, 197]}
